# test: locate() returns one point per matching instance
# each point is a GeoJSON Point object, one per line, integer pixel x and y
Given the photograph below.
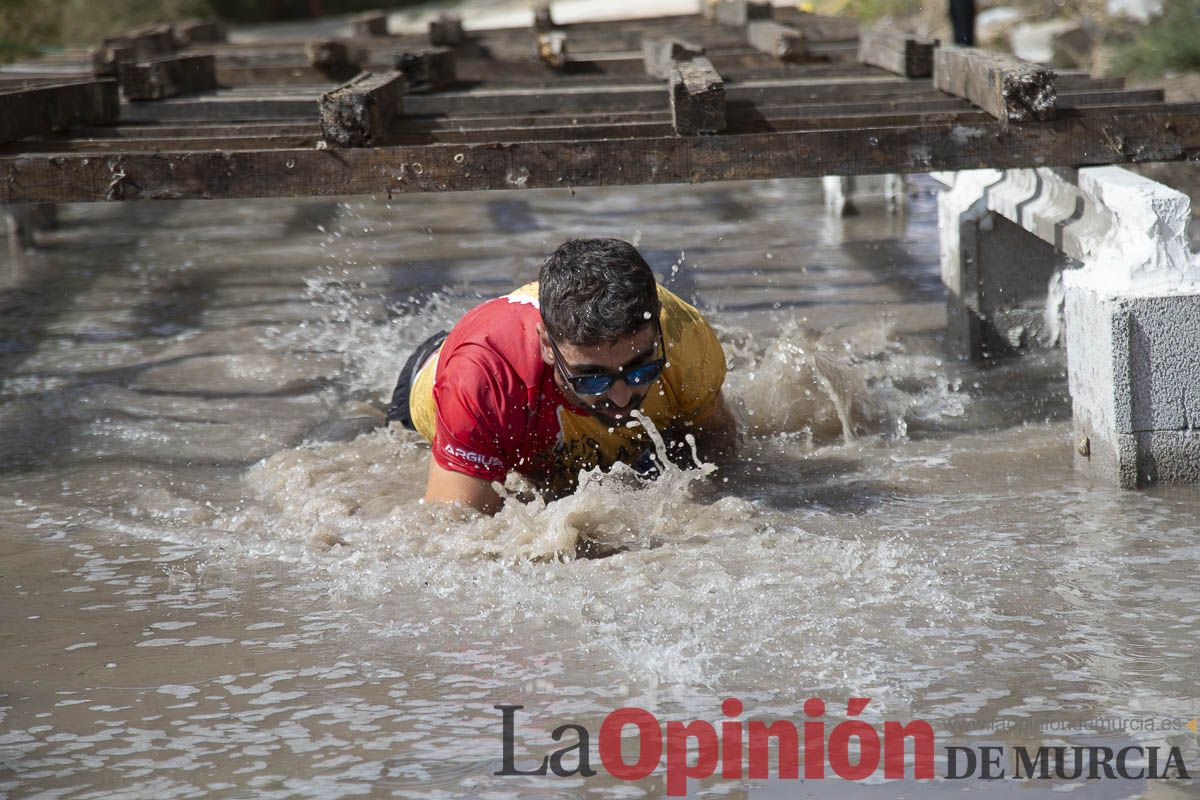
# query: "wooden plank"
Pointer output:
{"type": "Point", "coordinates": [817, 28]}
{"type": "Point", "coordinates": [334, 59]}
{"type": "Point", "coordinates": [739, 119]}
{"type": "Point", "coordinates": [44, 109]}
{"type": "Point", "coordinates": [138, 45]}
{"type": "Point", "coordinates": [171, 144]}
{"type": "Point", "coordinates": [735, 65]}
{"type": "Point", "coordinates": [160, 78]}
{"type": "Point", "coordinates": [438, 122]}
{"type": "Point", "coordinates": [1008, 88]}
{"type": "Point", "coordinates": [232, 105]}
{"type": "Point", "coordinates": [697, 98]}
{"type": "Point", "coordinates": [369, 23]}
{"type": "Point", "coordinates": [427, 70]}
{"type": "Point", "coordinates": [220, 107]}
{"type": "Point", "coordinates": [362, 113]}
{"type": "Point", "coordinates": [1075, 138]}
{"type": "Point", "coordinates": [39, 79]}
{"type": "Point", "coordinates": [779, 41]}
{"type": "Point", "coordinates": [643, 97]}
{"type": "Point", "coordinates": [1120, 97]}
{"type": "Point", "coordinates": [659, 53]}
{"type": "Point", "coordinates": [446, 30]}
{"type": "Point", "coordinates": [832, 51]}
{"type": "Point", "coordinates": [902, 53]}
{"type": "Point", "coordinates": [1071, 81]}
{"type": "Point", "coordinates": [200, 31]}
{"type": "Point", "coordinates": [247, 129]}
{"type": "Point", "coordinates": [740, 12]}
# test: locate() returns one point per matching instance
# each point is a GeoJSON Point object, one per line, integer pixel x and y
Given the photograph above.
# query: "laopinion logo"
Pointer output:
{"type": "Point", "coordinates": [852, 749]}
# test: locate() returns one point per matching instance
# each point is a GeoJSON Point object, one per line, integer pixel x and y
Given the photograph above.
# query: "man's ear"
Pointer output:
{"type": "Point", "coordinates": [544, 342]}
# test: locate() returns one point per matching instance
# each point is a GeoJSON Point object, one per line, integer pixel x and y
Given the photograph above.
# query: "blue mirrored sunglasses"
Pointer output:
{"type": "Point", "coordinates": [595, 384]}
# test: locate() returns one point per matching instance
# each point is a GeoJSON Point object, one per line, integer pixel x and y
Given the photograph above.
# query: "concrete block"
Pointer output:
{"type": "Point", "coordinates": [1115, 250]}
{"type": "Point", "coordinates": [1133, 364]}
{"type": "Point", "coordinates": [997, 275]}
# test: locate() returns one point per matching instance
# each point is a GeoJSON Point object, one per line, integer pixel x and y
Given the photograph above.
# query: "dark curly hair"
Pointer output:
{"type": "Point", "coordinates": [593, 291]}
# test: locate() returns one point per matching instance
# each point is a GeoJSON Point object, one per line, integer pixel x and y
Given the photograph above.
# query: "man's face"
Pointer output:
{"type": "Point", "coordinates": [614, 406]}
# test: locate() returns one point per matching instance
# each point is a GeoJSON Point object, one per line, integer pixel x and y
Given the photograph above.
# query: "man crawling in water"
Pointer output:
{"type": "Point", "coordinates": [545, 381]}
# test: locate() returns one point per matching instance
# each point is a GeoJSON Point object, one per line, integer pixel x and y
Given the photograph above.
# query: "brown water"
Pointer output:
{"type": "Point", "coordinates": [216, 579]}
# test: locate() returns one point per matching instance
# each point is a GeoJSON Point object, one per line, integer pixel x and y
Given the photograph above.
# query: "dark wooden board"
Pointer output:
{"type": "Point", "coordinates": [363, 112]}
{"type": "Point", "coordinates": [1006, 87]}
{"type": "Point", "coordinates": [369, 23]}
{"type": "Point", "coordinates": [738, 13]}
{"type": "Point", "coordinates": [148, 42]}
{"type": "Point", "coordinates": [740, 118]}
{"type": "Point", "coordinates": [697, 97]}
{"type": "Point", "coordinates": [160, 78]}
{"type": "Point", "coordinates": [898, 52]}
{"type": "Point", "coordinates": [1074, 138]}
{"type": "Point", "coordinates": [41, 110]}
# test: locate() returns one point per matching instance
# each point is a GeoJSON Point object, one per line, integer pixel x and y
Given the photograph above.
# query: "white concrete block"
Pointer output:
{"type": "Point", "coordinates": [1133, 365]}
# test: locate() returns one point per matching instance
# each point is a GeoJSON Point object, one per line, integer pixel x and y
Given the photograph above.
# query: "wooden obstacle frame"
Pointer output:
{"type": "Point", "coordinates": [738, 90]}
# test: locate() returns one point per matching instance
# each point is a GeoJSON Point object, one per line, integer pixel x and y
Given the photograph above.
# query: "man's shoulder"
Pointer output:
{"type": "Point", "coordinates": [678, 314]}
{"type": "Point", "coordinates": [496, 343]}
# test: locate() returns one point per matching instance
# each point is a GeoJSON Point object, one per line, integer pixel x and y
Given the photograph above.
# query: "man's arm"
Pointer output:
{"type": "Point", "coordinates": [447, 486]}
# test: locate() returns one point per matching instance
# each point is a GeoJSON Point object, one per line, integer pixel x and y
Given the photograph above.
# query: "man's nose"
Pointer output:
{"type": "Point", "coordinates": [620, 394]}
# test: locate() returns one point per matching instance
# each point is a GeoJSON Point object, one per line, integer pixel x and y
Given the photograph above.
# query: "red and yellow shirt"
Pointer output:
{"type": "Point", "coordinates": [489, 405]}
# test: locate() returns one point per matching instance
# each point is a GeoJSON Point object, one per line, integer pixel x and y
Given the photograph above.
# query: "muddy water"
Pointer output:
{"type": "Point", "coordinates": [216, 578]}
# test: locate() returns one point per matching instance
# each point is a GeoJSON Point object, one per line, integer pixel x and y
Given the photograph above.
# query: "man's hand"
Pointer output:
{"type": "Point", "coordinates": [447, 486]}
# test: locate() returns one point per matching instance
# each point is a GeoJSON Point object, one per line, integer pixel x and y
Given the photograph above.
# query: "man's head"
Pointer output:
{"type": "Point", "coordinates": [599, 304]}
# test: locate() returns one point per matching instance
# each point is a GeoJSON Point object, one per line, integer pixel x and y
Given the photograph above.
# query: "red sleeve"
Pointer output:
{"type": "Point", "coordinates": [476, 394]}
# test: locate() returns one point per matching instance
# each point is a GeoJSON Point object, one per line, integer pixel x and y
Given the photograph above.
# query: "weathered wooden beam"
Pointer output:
{"type": "Point", "coordinates": [658, 55]}
{"type": "Point", "coordinates": [902, 53]}
{"type": "Point", "coordinates": [363, 112]}
{"type": "Point", "coordinates": [446, 30]}
{"type": "Point", "coordinates": [819, 28]}
{"type": "Point", "coordinates": [369, 23]}
{"type": "Point", "coordinates": [138, 45]}
{"type": "Point", "coordinates": [40, 110]}
{"type": "Point", "coordinates": [427, 70]}
{"type": "Point", "coordinates": [566, 98]}
{"type": "Point", "coordinates": [474, 102]}
{"type": "Point", "coordinates": [169, 76]}
{"type": "Point", "coordinates": [336, 60]}
{"type": "Point", "coordinates": [697, 98]}
{"type": "Point", "coordinates": [177, 144]}
{"type": "Point", "coordinates": [200, 31]}
{"type": "Point", "coordinates": [128, 132]}
{"type": "Point", "coordinates": [1008, 88]}
{"type": "Point", "coordinates": [741, 12]}
{"type": "Point", "coordinates": [225, 108]}
{"type": "Point", "coordinates": [738, 66]}
{"type": "Point", "coordinates": [234, 105]}
{"type": "Point", "coordinates": [1075, 138]}
{"type": "Point", "coordinates": [780, 41]}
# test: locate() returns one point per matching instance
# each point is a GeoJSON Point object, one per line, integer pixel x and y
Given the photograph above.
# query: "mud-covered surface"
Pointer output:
{"type": "Point", "coordinates": [217, 579]}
